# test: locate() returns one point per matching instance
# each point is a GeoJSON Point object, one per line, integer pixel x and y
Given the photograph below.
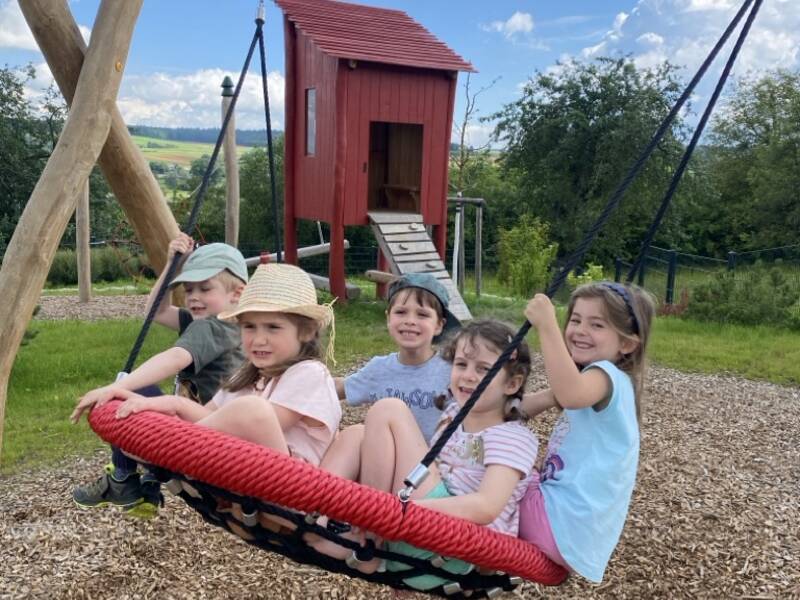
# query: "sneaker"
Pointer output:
{"type": "Point", "coordinates": [151, 498]}
{"type": "Point", "coordinates": [107, 490]}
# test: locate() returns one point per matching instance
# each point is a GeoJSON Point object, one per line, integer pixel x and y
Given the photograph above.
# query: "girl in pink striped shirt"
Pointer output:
{"type": "Point", "coordinates": [484, 469]}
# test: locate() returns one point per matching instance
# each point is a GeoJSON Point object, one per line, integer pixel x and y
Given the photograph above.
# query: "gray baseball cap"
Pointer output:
{"type": "Point", "coordinates": [209, 260]}
{"type": "Point", "coordinates": [430, 284]}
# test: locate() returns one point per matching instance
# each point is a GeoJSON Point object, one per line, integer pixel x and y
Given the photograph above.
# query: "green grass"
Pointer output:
{"type": "Point", "coordinates": [173, 152]}
{"type": "Point", "coordinates": [104, 288]}
{"type": "Point", "coordinates": [766, 353]}
{"type": "Point", "coordinates": [68, 358]}
{"type": "Point", "coordinates": [65, 360]}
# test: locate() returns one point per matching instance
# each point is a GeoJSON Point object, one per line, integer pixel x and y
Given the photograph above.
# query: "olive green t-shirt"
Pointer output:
{"type": "Point", "coordinates": [216, 350]}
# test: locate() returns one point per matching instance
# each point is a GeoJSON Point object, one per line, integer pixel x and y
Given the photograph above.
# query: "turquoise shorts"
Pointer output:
{"type": "Point", "coordinates": [425, 582]}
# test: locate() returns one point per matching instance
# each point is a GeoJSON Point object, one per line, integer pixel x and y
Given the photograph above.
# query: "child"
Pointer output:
{"type": "Point", "coordinates": [595, 372]}
{"type": "Point", "coordinates": [206, 353]}
{"type": "Point", "coordinates": [283, 396]}
{"type": "Point", "coordinates": [416, 317]}
{"type": "Point", "coordinates": [485, 467]}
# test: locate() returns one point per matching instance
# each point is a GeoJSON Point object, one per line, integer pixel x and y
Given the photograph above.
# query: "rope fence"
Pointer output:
{"type": "Point", "coordinates": [669, 273]}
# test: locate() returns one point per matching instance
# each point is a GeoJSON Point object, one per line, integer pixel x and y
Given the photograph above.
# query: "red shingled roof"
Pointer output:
{"type": "Point", "coordinates": [368, 33]}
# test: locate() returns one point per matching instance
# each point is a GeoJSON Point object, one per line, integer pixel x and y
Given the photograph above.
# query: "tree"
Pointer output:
{"type": "Point", "coordinates": [574, 134]}
{"type": "Point", "coordinates": [26, 141]}
{"type": "Point", "coordinates": [757, 163]}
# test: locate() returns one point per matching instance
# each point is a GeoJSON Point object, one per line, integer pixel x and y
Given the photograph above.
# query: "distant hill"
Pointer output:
{"type": "Point", "coordinates": [244, 137]}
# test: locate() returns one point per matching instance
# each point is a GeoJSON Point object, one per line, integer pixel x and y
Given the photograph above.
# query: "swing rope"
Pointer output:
{"type": "Point", "coordinates": [270, 153]}
{"type": "Point", "coordinates": [191, 222]}
{"type": "Point", "coordinates": [638, 262]}
{"type": "Point", "coordinates": [420, 472]}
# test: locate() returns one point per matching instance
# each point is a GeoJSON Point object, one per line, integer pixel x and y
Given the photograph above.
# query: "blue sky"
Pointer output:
{"type": "Point", "coordinates": [174, 69]}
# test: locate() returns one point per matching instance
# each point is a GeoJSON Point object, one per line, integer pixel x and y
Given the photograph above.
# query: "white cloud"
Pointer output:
{"type": "Point", "coordinates": [650, 39]}
{"type": "Point", "coordinates": [86, 33]}
{"type": "Point", "coordinates": [619, 21]}
{"type": "Point", "coordinates": [518, 23]}
{"type": "Point", "coordinates": [193, 100]}
{"type": "Point", "coordinates": [14, 31]}
{"type": "Point", "coordinates": [684, 31]}
{"type": "Point", "coordinates": [703, 5]}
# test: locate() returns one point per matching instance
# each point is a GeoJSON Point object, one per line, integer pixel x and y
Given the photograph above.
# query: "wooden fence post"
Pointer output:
{"type": "Point", "coordinates": [231, 168]}
{"type": "Point", "coordinates": [673, 265]}
{"type": "Point", "coordinates": [82, 248]}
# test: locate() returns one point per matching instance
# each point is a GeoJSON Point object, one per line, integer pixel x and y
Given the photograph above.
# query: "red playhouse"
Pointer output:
{"type": "Point", "coordinates": [369, 110]}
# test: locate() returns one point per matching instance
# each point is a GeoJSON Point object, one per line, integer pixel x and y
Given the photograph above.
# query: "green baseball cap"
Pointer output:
{"type": "Point", "coordinates": [430, 284]}
{"type": "Point", "coordinates": [210, 260]}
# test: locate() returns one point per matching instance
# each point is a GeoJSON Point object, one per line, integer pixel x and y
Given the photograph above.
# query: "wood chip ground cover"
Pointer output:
{"type": "Point", "coordinates": [715, 514]}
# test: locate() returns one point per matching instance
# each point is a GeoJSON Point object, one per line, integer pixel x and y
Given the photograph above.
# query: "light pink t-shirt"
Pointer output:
{"type": "Point", "coordinates": [306, 388]}
{"type": "Point", "coordinates": [462, 462]}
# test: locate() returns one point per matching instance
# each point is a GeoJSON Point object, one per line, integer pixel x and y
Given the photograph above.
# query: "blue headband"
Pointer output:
{"type": "Point", "coordinates": [621, 291]}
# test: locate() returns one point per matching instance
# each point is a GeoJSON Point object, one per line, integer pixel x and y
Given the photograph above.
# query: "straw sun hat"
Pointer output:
{"type": "Point", "coordinates": [279, 287]}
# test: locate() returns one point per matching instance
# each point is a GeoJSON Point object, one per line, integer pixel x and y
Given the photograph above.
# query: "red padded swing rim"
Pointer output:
{"type": "Point", "coordinates": [252, 470]}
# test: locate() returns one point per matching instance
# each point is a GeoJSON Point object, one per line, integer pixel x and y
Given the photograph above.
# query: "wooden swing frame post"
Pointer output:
{"type": "Point", "coordinates": [36, 237]}
{"type": "Point", "coordinates": [122, 163]}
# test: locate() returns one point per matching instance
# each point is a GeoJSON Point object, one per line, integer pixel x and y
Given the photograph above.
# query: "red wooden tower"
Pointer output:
{"type": "Point", "coordinates": [369, 110]}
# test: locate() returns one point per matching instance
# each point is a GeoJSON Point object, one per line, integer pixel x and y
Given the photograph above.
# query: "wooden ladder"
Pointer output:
{"type": "Point", "coordinates": [408, 248]}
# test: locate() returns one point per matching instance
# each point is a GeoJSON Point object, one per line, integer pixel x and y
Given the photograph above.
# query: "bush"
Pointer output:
{"type": "Point", "coordinates": [526, 256]}
{"type": "Point", "coordinates": [590, 274]}
{"type": "Point", "coordinates": [108, 264]}
{"type": "Point", "coordinates": [759, 297]}
{"type": "Point", "coordinates": [64, 270]}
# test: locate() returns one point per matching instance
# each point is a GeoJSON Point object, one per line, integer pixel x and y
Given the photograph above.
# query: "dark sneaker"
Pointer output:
{"type": "Point", "coordinates": [152, 498]}
{"type": "Point", "coordinates": [107, 490]}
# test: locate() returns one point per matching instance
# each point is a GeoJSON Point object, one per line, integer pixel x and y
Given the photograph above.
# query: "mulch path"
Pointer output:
{"type": "Point", "coordinates": [53, 308]}
{"type": "Point", "coordinates": [715, 514]}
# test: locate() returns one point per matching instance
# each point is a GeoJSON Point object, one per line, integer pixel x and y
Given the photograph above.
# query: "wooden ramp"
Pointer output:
{"type": "Point", "coordinates": [408, 248]}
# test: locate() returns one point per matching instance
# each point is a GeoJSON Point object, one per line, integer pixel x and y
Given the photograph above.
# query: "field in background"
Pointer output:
{"type": "Point", "coordinates": [177, 153]}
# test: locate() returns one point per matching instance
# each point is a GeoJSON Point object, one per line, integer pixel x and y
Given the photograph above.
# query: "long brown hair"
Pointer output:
{"type": "Point", "coordinates": [497, 335]}
{"type": "Point", "coordinates": [630, 311]}
{"type": "Point", "coordinates": [248, 374]}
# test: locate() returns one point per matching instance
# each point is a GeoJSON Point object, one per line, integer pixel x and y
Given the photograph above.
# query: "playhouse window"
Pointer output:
{"type": "Point", "coordinates": [311, 121]}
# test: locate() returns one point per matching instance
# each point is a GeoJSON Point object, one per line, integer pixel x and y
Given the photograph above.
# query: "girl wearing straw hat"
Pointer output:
{"type": "Point", "coordinates": [283, 396]}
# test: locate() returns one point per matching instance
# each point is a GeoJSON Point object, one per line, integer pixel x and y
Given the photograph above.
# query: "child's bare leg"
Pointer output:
{"type": "Point", "coordinates": [343, 457]}
{"type": "Point", "coordinates": [251, 418]}
{"type": "Point", "coordinates": [393, 445]}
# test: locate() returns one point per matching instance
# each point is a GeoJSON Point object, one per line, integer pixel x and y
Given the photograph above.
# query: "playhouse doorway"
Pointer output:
{"type": "Point", "coordinates": [395, 167]}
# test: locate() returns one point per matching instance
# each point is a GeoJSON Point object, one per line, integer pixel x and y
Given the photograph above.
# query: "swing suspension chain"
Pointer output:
{"type": "Point", "coordinates": [420, 472]}
{"type": "Point", "coordinates": [191, 222]}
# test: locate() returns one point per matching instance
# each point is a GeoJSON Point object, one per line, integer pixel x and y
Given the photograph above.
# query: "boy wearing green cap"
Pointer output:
{"type": "Point", "coordinates": [206, 353]}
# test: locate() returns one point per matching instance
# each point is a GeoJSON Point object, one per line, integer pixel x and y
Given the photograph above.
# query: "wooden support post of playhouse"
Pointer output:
{"type": "Point", "coordinates": [336, 258]}
{"type": "Point", "coordinates": [231, 168]}
{"type": "Point", "coordinates": [35, 240]}
{"type": "Point", "coordinates": [381, 287]}
{"type": "Point", "coordinates": [82, 248]}
{"type": "Point", "coordinates": [122, 163]}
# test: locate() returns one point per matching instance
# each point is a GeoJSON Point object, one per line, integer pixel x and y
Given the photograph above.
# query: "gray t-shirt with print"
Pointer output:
{"type": "Point", "coordinates": [417, 385]}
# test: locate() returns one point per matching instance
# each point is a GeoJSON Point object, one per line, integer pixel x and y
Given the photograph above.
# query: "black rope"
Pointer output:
{"type": "Point", "coordinates": [198, 202]}
{"type": "Point", "coordinates": [676, 178]}
{"type": "Point", "coordinates": [271, 155]}
{"type": "Point", "coordinates": [579, 252]}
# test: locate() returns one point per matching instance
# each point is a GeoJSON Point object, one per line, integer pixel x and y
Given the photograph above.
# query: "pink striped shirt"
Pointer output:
{"type": "Point", "coordinates": [463, 461]}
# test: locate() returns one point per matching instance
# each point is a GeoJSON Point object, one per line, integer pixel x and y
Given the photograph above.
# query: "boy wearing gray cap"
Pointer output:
{"type": "Point", "coordinates": [206, 353]}
{"type": "Point", "coordinates": [417, 317]}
